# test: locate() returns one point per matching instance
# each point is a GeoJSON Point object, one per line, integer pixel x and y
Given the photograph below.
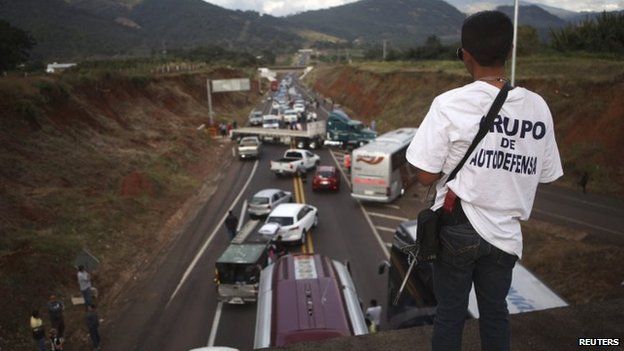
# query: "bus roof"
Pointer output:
{"type": "Point", "coordinates": [309, 304]}
{"type": "Point", "coordinates": [389, 142]}
{"type": "Point", "coordinates": [242, 253]}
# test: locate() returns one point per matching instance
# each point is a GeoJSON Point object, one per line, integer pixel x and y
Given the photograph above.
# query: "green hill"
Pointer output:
{"type": "Point", "coordinates": [404, 22]}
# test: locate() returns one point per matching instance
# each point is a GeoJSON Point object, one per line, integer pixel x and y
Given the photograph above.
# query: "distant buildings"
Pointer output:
{"type": "Point", "coordinates": [58, 67]}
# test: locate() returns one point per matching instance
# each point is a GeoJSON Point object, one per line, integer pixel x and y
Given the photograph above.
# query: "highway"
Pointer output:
{"type": "Point", "coordinates": [156, 319]}
{"type": "Point", "coordinates": [177, 308]}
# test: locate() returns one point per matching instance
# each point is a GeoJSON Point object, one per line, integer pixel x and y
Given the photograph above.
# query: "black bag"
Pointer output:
{"type": "Point", "coordinates": [429, 221]}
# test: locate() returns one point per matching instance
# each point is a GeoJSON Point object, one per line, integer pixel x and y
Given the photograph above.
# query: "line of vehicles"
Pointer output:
{"type": "Point", "coordinates": [303, 297]}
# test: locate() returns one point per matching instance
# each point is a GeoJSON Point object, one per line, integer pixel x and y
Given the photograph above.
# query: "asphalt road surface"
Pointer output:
{"type": "Point", "coordinates": [177, 309]}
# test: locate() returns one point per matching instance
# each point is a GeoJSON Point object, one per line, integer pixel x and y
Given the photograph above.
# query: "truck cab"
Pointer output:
{"type": "Point", "coordinates": [342, 130]}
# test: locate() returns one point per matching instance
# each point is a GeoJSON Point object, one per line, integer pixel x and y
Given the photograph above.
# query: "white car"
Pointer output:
{"type": "Point", "coordinates": [299, 107]}
{"type": "Point", "coordinates": [275, 104]}
{"type": "Point", "coordinates": [294, 220]}
{"type": "Point", "coordinates": [311, 116]}
{"type": "Point", "coordinates": [271, 121]}
{"type": "Point", "coordinates": [265, 200]}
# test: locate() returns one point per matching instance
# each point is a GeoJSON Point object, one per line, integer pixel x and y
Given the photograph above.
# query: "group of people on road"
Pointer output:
{"type": "Point", "coordinates": [224, 129]}
{"type": "Point", "coordinates": [56, 308]}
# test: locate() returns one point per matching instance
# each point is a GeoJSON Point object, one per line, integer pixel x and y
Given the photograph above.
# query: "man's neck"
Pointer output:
{"type": "Point", "coordinates": [491, 75]}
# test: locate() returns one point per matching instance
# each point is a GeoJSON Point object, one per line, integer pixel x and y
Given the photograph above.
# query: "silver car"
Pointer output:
{"type": "Point", "coordinates": [264, 201]}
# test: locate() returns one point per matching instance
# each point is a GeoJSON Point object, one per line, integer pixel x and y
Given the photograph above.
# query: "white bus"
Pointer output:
{"type": "Point", "coordinates": [379, 170]}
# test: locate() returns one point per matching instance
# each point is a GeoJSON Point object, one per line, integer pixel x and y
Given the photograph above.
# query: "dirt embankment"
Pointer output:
{"type": "Point", "coordinates": [588, 114]}
{"type": "Point", "coordinates": [99, 162]}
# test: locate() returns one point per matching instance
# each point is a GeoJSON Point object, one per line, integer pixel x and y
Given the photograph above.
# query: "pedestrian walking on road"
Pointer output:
{"type": "Point", "coordinates": [93, 325]}
{"type": "Point", "coordinates": [347, 162]}
{"type": "Point", "coordinates": [231, 223]}
{"type": "Point", "coordinates": [38, 331]}
{"type": "Point", "coordinates": [55, 312]}
{"type": "Point", "coordinates": [374, 313]}
{"type": "Point", "coordinates": [480, 209]}
{"type": "Point", "coordinates": [234, 124]}
{"type": "Point", "coordinates": [583, 182]}
{"type": "Point", "coordinates": [56, 341]}
{"type": "Point", "coordinates": [84, 281]}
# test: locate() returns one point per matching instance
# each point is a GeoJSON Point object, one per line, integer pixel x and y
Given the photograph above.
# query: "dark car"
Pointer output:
{"type": "Point", "coordinates": [326, 177]}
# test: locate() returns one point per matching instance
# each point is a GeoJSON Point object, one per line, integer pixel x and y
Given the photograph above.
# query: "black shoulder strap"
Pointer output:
{"type": "Point", "coordinates": [484, 127]}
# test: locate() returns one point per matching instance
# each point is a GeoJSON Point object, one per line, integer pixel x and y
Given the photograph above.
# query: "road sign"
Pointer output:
{"type": "Point", "coordinates": [225, 85]}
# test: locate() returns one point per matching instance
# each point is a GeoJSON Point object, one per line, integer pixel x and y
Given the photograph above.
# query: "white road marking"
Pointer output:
{"type": "Point", "coordinates": [395, 207]}
{"type": "Point", "coordinates": [578, 222]}
{"type": "Point", "coordinates": [370, 223]}
{"type": "Point", "coordinates": [212, 235]}
{"type": "Point", "coordinates": [385, 229]}
{"type": "Point", "coordinates": [215, 324]}
{"type": "Point", "coordinates": [242, 216]}
{"type": "Point", "coordinates": [383, 246]}
{"type": "Point", "coordinates": [382, 215]}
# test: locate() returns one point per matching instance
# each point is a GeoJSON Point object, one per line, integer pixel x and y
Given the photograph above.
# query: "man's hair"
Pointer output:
{"type": "Point", "coordinates": [488, 37]}
{"type": "Point", "coordinates": [373, 302]}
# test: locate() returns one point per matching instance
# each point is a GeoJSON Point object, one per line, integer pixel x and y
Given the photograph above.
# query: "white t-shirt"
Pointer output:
{"type": "Point", "coordinates": [84, 280]}
{"type": "Point", "coordinates": [497, 184]}
{"type": "Point", "coordinates": [374, 314]}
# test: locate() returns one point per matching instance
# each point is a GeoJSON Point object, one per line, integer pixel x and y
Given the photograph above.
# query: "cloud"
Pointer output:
{"type": "Point", "coordinates": [278, 7]}
{"type": "Point", "coordinates": [287, 7]}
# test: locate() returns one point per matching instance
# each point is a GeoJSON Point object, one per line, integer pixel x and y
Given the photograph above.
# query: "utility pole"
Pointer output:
{"type": "Point", "coordinates": [384, 50]}
{"type": "Point", "coordinates": [515, 45]}
{"type": "Point", "coordinates": [210, 114]}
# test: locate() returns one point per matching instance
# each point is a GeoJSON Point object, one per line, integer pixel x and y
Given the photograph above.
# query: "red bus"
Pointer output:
{"type": "Point", "coordinates": [306, 297]}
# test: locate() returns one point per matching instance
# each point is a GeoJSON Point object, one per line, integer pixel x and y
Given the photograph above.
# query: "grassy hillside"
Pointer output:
{"type": "Point", "coordinates": [584, 95]}
{"type": "Point", "coordinates": [96, 161]}
{"type": "Point", "coordinates": [404, 22]}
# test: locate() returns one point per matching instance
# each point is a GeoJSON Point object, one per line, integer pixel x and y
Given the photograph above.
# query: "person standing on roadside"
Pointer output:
{"type": "Point", "coordinates": [93, 325]}
{"type": "Point", "coordinates": [55, 311]}
{"type": "Point", "coordinates": [583, 182]}
{"type": "Point", "coordinates": [480, 236]}
{"type": "Point", "coordinates": [84, 281]}
{"type": "Point", "coordinates": [374, 313]}
{"type": "Point", "coordinates": [38, 331]}
{"type": "Point", "coordinates": [231, 223]}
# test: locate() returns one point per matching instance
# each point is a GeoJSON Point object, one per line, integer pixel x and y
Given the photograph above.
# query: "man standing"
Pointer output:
{"type": "Point", "coordinates": [84, 280]}
{"type": "Point", "coordinates": [93, 324]}
{"type": "Point", "coordinates": [55, 311]}
{"type": "Point", "coordinates": [480, 234]}
{"type": "Point", "coordinates": [38, 331]}
{"type": "Point", "coordinates": [231, 222]}
{"type": "Point", "coordinates": [374, 314]}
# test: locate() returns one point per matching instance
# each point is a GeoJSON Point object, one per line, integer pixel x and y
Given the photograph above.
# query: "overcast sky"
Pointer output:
{"type": "Point", "coordinates": [285, 7]}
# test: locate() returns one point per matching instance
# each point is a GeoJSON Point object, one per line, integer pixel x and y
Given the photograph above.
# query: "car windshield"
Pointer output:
{"type": "Point", "coordinates": [259, 200]}
{"type": "Point", "coordinates": [325, 174]}
{"type": "Point", "coordinates": [283, 221]}
{"type": "Point", "coordinates": [232, 273]}
{"type": "Point", "coordinates": [293, 154]}
{"type": "Point", "coordinates": [248, 142]}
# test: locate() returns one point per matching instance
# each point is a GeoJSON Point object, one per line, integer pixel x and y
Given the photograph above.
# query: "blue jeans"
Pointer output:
{"type": "Point", "coordinates": [88, 296]}
{"type": "Point", "coordinates": [466, 258]}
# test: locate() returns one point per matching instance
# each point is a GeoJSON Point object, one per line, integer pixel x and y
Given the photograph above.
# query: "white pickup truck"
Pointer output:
{"type": "Point", "coordinates": [293, 159]}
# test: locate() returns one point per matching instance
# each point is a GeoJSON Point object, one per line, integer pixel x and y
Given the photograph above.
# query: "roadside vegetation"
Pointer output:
{"type": "Point", "coordinates": [100, 160]}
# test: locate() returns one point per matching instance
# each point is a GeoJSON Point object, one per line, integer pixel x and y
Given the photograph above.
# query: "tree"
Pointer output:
{"type": "Point", "coordinates": [528, 40]}
{"type": "Point", "coordinates": [15, 45]}
{"type": "Point", "coordinates": [604, 34]}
